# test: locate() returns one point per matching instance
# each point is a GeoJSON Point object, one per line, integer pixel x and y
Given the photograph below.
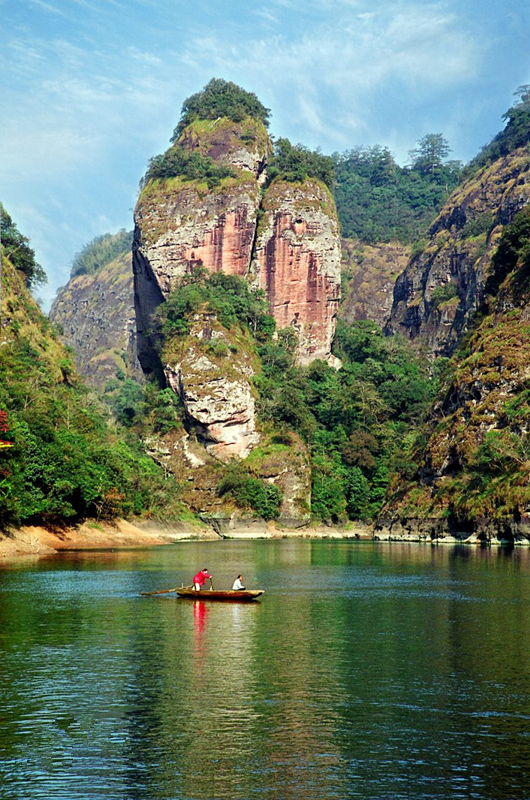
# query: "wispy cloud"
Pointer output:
{"type": "Point", "coordinates": [348, 63]}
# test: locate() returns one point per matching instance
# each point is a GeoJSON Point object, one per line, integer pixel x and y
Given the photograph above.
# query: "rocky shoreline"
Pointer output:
{"type": "Point", "coordinates": [506, 531]}
{"type": "Point", "coordinates": [40, 541]}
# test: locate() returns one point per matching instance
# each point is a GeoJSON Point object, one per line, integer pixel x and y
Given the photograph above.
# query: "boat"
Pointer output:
{"type": "Point", "coordinates": [227, 595]}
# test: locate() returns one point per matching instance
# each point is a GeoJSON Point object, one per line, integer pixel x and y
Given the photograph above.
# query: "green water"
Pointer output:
{"type": "Point", "coordinates": [367, 671]}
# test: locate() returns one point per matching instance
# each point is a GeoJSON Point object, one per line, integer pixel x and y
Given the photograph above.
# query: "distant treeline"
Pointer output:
{"type": "Point", "coordinates": [101, 251]}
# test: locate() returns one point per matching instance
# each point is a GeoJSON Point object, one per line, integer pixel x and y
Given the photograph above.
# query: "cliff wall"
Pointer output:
{"type": "Point", "coordinates": [293, 253]}
{"type": "Point", "coordinates": [442, 286]}
{"type": "Point", "coordinates": [96, 316]}
{"type": "Point", "coordinates": [369, 276]}
{"type": "Point", "coordinates": [470, 473]}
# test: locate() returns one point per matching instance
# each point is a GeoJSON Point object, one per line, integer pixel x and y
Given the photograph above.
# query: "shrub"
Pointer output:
{"type": "Point", "coordinates": [250, 492]}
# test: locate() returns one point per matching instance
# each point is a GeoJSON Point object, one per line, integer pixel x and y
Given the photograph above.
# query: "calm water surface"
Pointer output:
{"type": "Point", "coordinates": [367, 671]}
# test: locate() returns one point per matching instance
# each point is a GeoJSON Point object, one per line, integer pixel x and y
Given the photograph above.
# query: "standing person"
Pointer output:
{"type": "Point", "coordinates": [200, 579]}
{"type": "Point", "coordinates": [238, 584]}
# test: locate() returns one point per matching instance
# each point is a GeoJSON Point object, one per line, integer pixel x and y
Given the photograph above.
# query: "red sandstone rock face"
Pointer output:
{"type": "Point", "coordinates": [297, 263]}
{"type": "Point", "coordinates": [227, 246]}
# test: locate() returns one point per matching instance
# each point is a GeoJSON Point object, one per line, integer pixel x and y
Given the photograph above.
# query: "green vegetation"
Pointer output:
{"type": "Point", "coordinates": [228, 296]}
{"type": "Point", "coordinates": [295, 163]}
{"type": "Point", "coordinates": [514, 248]}
{"type": "Point", "coordinates": [379, 201]}
{"type": "Point", "coordinates": [66, 460]}
{"type": "Point", "coordinates": [476, 460]}
{"type": "Point", "coordinates": [100, 252]}
{"type": "Point", "coordinates": [221, 98]}
{"type": "Point", "coordinates": [444, 293]}
{"type": "Point", "coordinates": [516, 132]}
{"type": "Point", "coordinates": [354, 420]}
{"type": "Point", "coordinates": [17, 249]}
{"type": "Point", "coordinates": [250, 492]}
{"type": "Point", "coordinates": [192, 166]}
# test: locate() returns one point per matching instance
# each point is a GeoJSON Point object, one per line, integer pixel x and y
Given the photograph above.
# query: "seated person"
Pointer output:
{"type": "Point", "coordinates": [238, 584]}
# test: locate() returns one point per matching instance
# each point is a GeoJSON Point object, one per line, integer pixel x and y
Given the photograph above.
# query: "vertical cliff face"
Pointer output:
{"type": "Point", "coordinates": [474, 471]}
{"type": "Point", "coordinates": [96, 315]}
{"type": "Point", "coordinates": [297, 262]}
{"type": "Point", "coordinates": [444, 285]}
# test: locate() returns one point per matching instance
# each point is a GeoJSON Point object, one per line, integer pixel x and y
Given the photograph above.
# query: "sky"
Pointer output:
{"type": "Point", "coordinates": [90, 90]}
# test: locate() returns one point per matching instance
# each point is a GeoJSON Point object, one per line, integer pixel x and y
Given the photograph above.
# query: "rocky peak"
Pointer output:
{"type": "Point", "coordinates": [293, 253]}
{"type": "Point", "coordinates": [243, 145]}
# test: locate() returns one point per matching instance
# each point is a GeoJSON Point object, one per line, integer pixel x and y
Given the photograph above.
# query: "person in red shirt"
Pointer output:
{"type": "Point", "coordinates": [200, 579]}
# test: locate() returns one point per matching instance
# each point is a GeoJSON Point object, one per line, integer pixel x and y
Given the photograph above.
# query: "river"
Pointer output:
{"type": "Point", "coordinates": [373, 671]}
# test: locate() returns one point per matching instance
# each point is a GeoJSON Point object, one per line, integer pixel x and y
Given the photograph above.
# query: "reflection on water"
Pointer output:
{"type": "Point", "coordinates": [367, 671]}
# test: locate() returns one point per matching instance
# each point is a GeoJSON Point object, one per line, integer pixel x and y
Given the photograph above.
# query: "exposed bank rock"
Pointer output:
{"type": "Point", "coordinates": [369, 273]}
{"type": "Point", "coordinates": [200, 474]}
{"type": "Point", "coordinates": [96, 317]}
{"type": "Point", "coordinates": [472, 474]}
{"type": "Point", "coordinates": [211, 371]}
{"type": "Point", "coordinates": [443, 286]}
{"type": "Point", "coordinates": [297, 262]}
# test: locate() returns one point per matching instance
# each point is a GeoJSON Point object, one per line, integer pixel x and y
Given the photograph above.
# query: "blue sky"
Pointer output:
{"type": "Point", "coordinates": [91, 89]}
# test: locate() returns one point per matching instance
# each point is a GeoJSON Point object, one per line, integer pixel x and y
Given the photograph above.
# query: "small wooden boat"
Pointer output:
{"type": "Point", "coordinates": [228, 595]}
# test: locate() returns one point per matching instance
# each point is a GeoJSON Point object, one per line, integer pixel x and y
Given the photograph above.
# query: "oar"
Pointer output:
{"type": "Point", "coordinates": [164, 591]}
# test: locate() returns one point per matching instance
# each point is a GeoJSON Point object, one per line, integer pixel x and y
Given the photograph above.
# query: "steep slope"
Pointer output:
{"type": "Point", "coordinates": [472, 474]}
{"type": "Point", "coordinates": [443, 286]}
{"type": "Point", "coordinates": [369, 274]}
{"type": "Point", "coordinates": [95, 313]}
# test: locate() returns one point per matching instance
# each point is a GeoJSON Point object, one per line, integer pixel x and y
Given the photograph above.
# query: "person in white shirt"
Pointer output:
{"type": "Point", "coordinates": [238, 584]}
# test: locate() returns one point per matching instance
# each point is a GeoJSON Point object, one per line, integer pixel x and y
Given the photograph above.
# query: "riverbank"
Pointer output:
{"type": "Point", "coordinates": [34, 540]}
{"type": "Point", "coordinates": [40, 541]}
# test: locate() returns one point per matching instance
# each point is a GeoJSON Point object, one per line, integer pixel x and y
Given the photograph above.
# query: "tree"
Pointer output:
{"type": "Point", "coordinates": [430, 153]}
{"type": "Point", "coordinates": [295, 163]}
{"type": "Point", "coordinates": [17, 249]}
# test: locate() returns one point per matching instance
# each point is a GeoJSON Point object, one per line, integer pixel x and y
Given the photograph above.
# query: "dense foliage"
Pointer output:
{"type": "Point", "coordinates": [17, 249]}
{"type": "Point", "coordinates": [189, 165]}
{"type": "Point", "coordinates": [101, 251]}
{"type": "Point", "coordinates": [65, 463]}
{"type": "Point", "coordinates": [221, 98]}
{"type": "Point", "coordinates": [379, 201]}
{"type": "Point", "coordinates": [250, 492]}
{"type": "Point", "coordinates": [355, 420]}
{"type": "Point", "coordinates": [516, 132]}
{"type": "Point", "coordinates": [296, 163]}
{"type": "Point", "coordinates": [514, 248]}
{"type": "Point", "coordinates": [61, 456]}
{"type": "Point", "coordinates": [228, 296]}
